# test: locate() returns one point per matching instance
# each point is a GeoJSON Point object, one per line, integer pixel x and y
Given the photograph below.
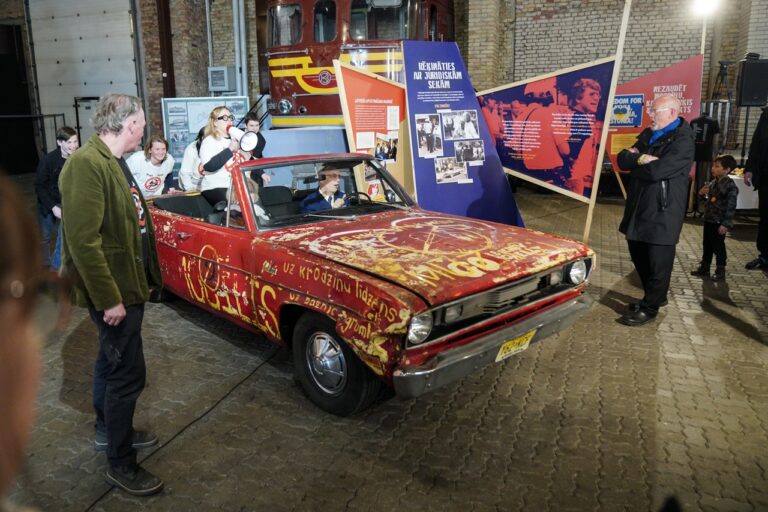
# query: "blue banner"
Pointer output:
{"type": "Point", "coordinates": [456, 167]}
{"type": "Point", "coordinates": [628, 110]}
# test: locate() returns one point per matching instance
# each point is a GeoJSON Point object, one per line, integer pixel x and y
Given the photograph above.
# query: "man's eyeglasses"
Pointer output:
{"type": "Point", "coordinates": [226, 118]}
{"type": "Point", "coordinates": [654, 111]}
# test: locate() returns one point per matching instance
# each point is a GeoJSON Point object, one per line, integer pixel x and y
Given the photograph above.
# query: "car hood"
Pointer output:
{"type": "Point", "coordinates": [440, 257]}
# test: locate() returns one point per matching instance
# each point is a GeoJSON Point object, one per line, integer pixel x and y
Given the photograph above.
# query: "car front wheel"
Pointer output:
{"type": "Point", "coordinates": [330, 373]}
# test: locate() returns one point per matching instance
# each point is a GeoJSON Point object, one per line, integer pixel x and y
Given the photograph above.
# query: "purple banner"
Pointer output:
{"type": "Point", "coordinates": [456, 167]}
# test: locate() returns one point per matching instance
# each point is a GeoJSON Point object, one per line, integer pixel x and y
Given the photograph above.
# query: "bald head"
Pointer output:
{"type": "Point", "coordinates": [664, 110]}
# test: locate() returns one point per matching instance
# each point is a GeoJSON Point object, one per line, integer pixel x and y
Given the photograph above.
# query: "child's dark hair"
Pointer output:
{"type": "Point", "coordinates": [727, 161]}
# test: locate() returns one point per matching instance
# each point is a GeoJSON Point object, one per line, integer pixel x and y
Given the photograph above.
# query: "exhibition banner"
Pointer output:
{"type": "Point", "coordinates": [633, 98]}
{"type": "Point", "coordinates": [547, 130]}
{"type": "Point", "coordinates": [456, 169]}
{"type": "Point", "coordinates": [374, 118]}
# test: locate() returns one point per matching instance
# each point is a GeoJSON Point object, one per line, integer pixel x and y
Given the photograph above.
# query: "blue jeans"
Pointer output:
{"type": "Point", "coordinates": [56, 257]}
{"type": "Point", "coordinates": [47, 225]}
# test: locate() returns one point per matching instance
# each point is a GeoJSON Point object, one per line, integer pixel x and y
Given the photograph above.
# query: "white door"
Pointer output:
{"type": "Point", "coordinates": [81, 48]}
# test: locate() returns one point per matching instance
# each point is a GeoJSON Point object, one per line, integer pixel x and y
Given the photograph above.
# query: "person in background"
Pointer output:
{"type": "Point", "coordinates": [252, 124]}
{"type": "Point", "coordinates": [756, 174]}
{"type": "Point", "coordinates": [48, 195]}
{"type": "Point", "coordinates": [20, 341]}
{"type": "Point", "coordinates": [327, 196]}
{"type": "Point", "coordinates": [219, 154]}
{"type": "Point", "coordinates": [191, 172]}
{"type": "Point", "coordinates": [151, 167]}
{"type": "Point", "coordinates": [110, 256]}
{"type": "Point", "coordinates": [659, 161]}
{"type": "Point", "coordinates": [720, 196]}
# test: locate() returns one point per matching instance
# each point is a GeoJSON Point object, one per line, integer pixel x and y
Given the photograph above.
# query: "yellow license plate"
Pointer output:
{"type": "Point", "coordinates": [514, 346]}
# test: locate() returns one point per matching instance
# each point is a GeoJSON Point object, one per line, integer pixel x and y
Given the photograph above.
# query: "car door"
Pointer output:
{"type": "Point", "coordinates": [213, 260]}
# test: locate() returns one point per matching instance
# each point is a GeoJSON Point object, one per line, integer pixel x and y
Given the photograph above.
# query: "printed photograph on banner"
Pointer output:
{"type": "Point", "coordinates": [470, 151]}
{"type": "Point", "coordinates": [370, 173]}
{"type": "Point", "coordinates": [448, 170]}
{"type": "Point", "coordinates": [393, 138]}
{"type": "Point", "coordinates": [430, 135]}
{"type": "Point", "coordinates": [460, 124]}
{"type": "Point", "coordinates": [550, 129]}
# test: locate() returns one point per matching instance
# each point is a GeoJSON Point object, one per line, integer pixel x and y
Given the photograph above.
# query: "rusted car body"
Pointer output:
{"type": "Point", "coordinates": [378, 292]}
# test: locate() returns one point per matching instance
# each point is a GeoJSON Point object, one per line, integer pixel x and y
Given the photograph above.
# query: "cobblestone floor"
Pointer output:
{"type": "Point", "coordinates": [599, 417]}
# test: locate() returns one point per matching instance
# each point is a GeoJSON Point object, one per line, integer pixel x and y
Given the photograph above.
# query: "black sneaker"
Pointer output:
{"type": "Point", "coordinates": [141, 439]}
{"type": "Point", "coordinates": [757, 263]}
{"type": "Point", "coordinates": [134, 480]}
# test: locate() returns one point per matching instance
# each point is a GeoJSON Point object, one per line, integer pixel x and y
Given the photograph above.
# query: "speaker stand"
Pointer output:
{"type": "Point", "coordinates": [744, 139]}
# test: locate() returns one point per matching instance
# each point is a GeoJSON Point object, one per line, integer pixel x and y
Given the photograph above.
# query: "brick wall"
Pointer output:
{"type": "Point", "coordinates": [190, 47]}
{"type": "Point", "coordinates": [153, 73]}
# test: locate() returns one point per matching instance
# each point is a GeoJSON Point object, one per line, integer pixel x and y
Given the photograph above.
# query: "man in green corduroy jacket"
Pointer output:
{"type": "Point", "coordinates": [109, 254]}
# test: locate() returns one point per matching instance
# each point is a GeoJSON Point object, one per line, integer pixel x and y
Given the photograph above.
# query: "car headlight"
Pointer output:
{"type": "Point", "coordinates": [285, 106]}
{"type": "Point", "coordinates": [577, 272]}
{"type": "Point", "coordinates": [421, 326]}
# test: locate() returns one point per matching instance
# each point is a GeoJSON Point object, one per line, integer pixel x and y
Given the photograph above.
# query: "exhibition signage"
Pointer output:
{"type": "Point", "coordinates": [633, 98]}
{"type": "Point", "coordinates": [183, 118]}
{"type": "Point", "coordinates": [374, 118]}
{"type": "Point", "coordinates": [456, 168]}
{"type": "Point", "coordinates": [548, 129]}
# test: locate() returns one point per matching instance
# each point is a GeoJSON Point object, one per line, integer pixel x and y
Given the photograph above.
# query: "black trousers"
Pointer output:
{"type": "Point", "coordinates": [118, 380]}
{"type": "Point", "coordinates": [654, 266]}
{"type": "Point", "coordinates": [714, 243]}
{"type": "Point", "coordinates": [762, 227]}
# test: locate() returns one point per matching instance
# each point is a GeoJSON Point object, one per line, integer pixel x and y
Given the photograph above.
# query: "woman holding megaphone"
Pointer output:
{"type": "Point", "coordinates": [219, 153]}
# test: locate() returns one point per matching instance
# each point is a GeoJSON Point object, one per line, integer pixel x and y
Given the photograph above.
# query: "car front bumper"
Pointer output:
{"type": "Point", "coordinates": [454, 364]}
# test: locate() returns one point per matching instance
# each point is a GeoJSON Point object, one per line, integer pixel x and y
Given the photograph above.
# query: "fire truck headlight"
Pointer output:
{"type": "Point", "coordinates": [285, 106]}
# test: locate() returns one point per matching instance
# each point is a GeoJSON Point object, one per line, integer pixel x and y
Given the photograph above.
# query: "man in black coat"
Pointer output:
{"type": "Point", "coordinates": [757, 175]}
{"type": "Point", "coordinates": [659, 161]}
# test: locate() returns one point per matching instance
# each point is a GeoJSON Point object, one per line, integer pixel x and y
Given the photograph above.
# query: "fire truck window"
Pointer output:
{"type": "Point", "coordinates": [325, 21]}
{"type": "Point", "coordinates": [284, 24]}
{"type": "Point", "coordinates": [370, 22]}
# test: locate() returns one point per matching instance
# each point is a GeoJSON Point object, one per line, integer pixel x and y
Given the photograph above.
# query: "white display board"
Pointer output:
{"type": "Point", "coordinates": [183, 118]}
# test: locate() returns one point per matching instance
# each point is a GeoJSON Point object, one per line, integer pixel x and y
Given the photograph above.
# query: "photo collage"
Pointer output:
{"type": "Point", "coordinates": [458, 129]}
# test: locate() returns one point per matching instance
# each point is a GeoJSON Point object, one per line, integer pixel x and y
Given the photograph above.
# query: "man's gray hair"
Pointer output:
{"type": "Point", "coordinates": [112, 111]}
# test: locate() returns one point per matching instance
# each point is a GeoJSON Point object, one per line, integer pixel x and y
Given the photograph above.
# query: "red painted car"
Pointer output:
{"type": "Point", "coordinates": [377, 292]}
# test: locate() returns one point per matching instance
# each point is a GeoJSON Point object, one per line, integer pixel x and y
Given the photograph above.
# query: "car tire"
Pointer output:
{"type": "Point", "coordinates": [329, 372]}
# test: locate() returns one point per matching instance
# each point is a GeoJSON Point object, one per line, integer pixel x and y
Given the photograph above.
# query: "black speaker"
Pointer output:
{"type": "Point", "coordinates": [752, 85]}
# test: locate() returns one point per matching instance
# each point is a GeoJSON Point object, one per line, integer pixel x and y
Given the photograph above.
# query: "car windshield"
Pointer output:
{"type": "Point", "coordinates": [320, 191]}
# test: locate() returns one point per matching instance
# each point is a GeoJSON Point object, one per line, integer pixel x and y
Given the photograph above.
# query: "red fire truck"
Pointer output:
{"type": "Point", "coordinates": [303, 37]}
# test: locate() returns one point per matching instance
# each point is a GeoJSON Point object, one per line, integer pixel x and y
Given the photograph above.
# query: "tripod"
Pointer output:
{"type": "Point", "coordinates": [721, 82]}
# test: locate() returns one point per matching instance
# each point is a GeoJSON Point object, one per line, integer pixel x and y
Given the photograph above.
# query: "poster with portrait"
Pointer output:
{"type": "Point", "coordinates": [453, 169]}
{"type": "Point", "coordinates": [547, 130]}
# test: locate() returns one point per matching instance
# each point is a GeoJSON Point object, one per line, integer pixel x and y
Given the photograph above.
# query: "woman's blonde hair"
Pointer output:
{"type": "Point", "coordinates": [148, 147]}
{"type": "Point", "coordinates": [210, 128]}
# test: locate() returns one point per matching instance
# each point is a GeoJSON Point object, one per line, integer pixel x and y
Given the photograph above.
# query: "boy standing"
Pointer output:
{"type": "Point", "coordinates": [720, 204]}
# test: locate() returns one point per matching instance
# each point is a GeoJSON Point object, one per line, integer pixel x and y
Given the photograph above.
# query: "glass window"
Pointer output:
{"type": "Point", "coordinates": [325, 21]}
{"type": "Point", "coordinates": [284, 25]}
{"type": "Point", "coordinates": [433, 23]}
{"type": "Point", "coordinates": [370, 22]}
